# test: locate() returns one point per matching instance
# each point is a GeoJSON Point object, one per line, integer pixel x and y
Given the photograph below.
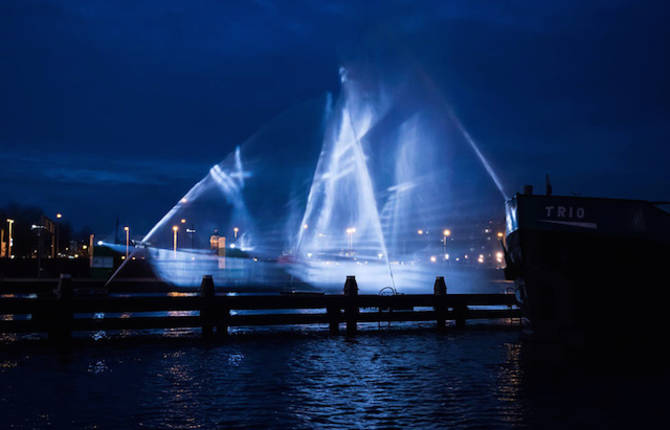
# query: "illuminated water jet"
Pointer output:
{"type": "Point", "coordinates": [479, 154]}
{"type": "Point", "coordinates": [339, 189]}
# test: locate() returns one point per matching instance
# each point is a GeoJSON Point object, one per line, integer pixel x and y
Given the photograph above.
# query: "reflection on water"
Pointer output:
{"type": "Point", "coordinates": [473, 379]}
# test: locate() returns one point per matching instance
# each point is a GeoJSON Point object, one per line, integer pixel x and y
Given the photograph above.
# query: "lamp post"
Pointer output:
{"type": "Point", "coordinates": [127, 230]}
{"type": "Point", "coordinates": [235, 230]}
{"type": "Point", "coordinates": [175, 229]}
{"type": "Point", "coordinates": [39, 229]}
{"type": "Point", "coordinates": [10, 240]}
{"type": "Point", "coordinates": [445, 234]}
{"type": "Point", "coordinates": [58, 217]}
{"type": "Point", "coordinates": [191, 231]}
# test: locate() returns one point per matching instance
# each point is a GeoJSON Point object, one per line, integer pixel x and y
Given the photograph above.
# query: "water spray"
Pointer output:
{"type": "Point", "coordinates": [475, 148]}
{"type": "Point", "coordinates": [360, 159]}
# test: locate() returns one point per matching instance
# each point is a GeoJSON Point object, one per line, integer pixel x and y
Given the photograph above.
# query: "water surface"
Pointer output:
{"type": "Point", "coordinates": [478, 378]}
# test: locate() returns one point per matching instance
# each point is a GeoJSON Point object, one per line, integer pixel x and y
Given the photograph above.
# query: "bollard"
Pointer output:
{"type": "Point", "coordinates": [460, 310]}
{"type": "Point", "coordinates": [333, 313]}
{"type": "Point", "coordinates": [206, 308]}
{"type": "Point", "coordinates": [60, 328]}
{"type": "Point", "coordinates": [440, 292]}
{"type": "Point", "coordinates": [351, 309]}
{"type": "Point", "coordinates": [222, 322]}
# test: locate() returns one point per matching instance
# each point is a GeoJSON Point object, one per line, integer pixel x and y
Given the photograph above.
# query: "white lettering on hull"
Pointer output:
{"type": "Point", "coordinates": [564, 212]}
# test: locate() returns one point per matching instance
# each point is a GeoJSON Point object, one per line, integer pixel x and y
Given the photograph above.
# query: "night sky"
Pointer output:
{"type": "Point", "coordinates": [116, 108]}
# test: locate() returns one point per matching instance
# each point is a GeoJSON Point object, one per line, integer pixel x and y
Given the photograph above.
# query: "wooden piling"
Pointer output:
{"type": "Point", "coordinates": [440, 292]}
{"type": "Point", "coordinates": [206, 307]}
{"type": "Point", "coordinates": [60, 326]}
{"type": "Point", "coordinates": [222, 320]}
{"type": "Point", "coordinates": [351, 309]}
{"type": "Point", "coordinates": [333, 313]}
{"type": "Point", "coordinates": [460, 311]}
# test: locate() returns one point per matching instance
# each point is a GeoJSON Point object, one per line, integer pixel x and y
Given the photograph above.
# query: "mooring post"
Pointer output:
{"type": "Point", "coordinates": [222, 324]}
{"type": "Point", "coordinates": [351, 309]}
{"type": "Point", "coordinates": [333, 318]}
{"type": "Point", "coordinates": [61, 326]}
{"type": "Point", "coordinates": [207, 298]}
{"type": "Point", "coordinates": [440, 292]}
{"type": "Point", "coordinates": [460, 310]}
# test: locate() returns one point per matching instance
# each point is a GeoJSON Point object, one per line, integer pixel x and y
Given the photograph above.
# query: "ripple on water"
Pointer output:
{"type": "Point", "coordinates": [420, 379]}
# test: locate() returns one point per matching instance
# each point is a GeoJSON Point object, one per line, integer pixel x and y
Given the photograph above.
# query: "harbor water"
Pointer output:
{"type": "Point", "coordinates": [407, 376]}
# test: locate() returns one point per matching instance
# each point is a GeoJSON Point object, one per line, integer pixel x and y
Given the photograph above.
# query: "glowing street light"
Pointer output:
{"type": "Point", "coordinates": [419, 232]}
{"type": "Point", "coordinates": [235, 230]}
{"type": "Point", "coordinates": [58, 216]}
{"type": "Point", "coordinates": [175, 229]}
{"type": "Point", "coordinates": [39, 229]}
{"type": "Point", "coordinates": [10, 239]}
{"type": "Point", "coordinates": [127, 230]}
{"type": "Point", "coordinates": [433, 259]}
{"type": "Point", "coordinates": [305, 226]}
{"type": "Point", "coordinates": [191, 231]}
{"type": "Point", "coordinates": [183, 220]}
{"type": "Point", "coordinates": [500, 235]}
{"type": "Point", "coordinates": [445, 234]}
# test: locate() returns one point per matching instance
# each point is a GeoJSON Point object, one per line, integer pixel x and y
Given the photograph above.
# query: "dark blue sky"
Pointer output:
{"type": "Point", "coordinates": [116, 108]}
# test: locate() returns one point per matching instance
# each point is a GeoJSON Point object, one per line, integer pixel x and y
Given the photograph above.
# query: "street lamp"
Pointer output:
{"type": "Point", "coordinates": [175, 229]}
{"type": "Point", "coordinates": [127, 230]}
{"type": "Point", "coordinates": [235, 230]}
{"type": "Point", "coordinates": [10, 240]}
{"type": "Point", "coordinates": [183, 220]}
{"type": "Point", "coordinates": [39, 229]}
{"type": "Point", "coordinates": [445, 234]}
{"type": "Point", "coordinates": [58, 216]}
{"type": "Point", "coordinates": [191, 231]}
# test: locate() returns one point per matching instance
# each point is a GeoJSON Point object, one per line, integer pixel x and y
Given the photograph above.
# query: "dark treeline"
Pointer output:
{"type": "Point", "coordinates": [26, 238]}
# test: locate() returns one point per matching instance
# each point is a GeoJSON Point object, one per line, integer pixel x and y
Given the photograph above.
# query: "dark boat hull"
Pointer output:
{"type": "Point", "coordinates": [599, 276]}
